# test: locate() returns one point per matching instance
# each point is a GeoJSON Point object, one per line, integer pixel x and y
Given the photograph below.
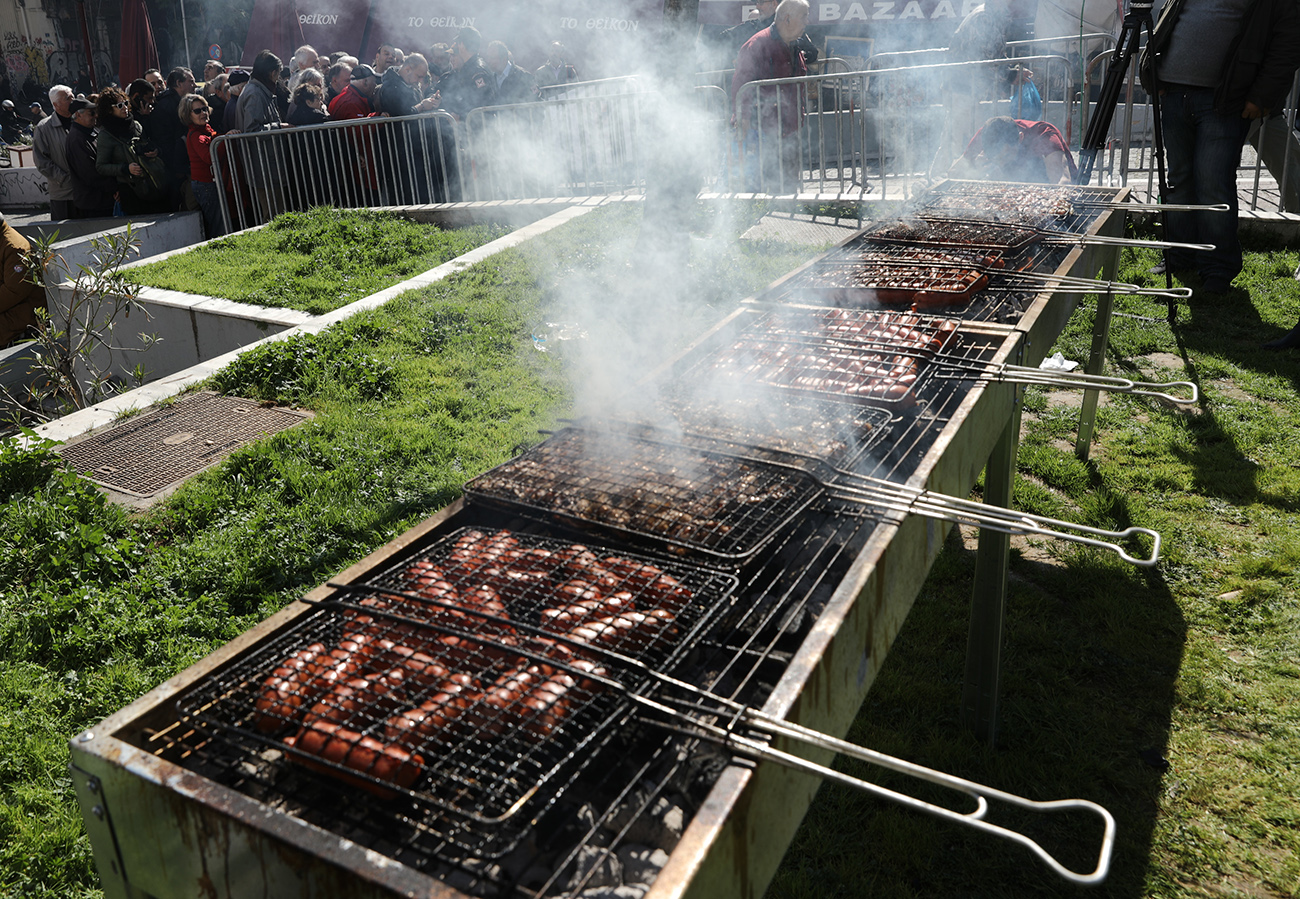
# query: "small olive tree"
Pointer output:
{"type": "Point", "coordinates": [76, 349]}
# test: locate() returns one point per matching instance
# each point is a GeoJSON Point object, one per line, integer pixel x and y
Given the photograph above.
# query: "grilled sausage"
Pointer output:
{"type": "Point", "coordinates": [350, 749]}
{"type": "Point", "coordinates": [433, 716]}
{"type": "Point", "coordinates": [288, 688]}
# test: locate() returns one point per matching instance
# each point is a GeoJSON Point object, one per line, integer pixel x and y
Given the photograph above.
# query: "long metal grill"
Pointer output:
{"type": "Point", "coordinates": [666, 494]}
{"type": "Point", "coordinates": [455, 683]}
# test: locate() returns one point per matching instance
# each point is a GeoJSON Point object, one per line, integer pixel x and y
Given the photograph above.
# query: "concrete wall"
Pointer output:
{"type": "Point", "coordinates": [189, 329]}
{"type": "Point", "coordinates": [156, 235]}
{"type": "Point", "coordinates": [23, 187]}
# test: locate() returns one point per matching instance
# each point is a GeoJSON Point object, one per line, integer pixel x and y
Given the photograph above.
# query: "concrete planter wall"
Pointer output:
{"type": "Point", "coordinates": [190, 329]}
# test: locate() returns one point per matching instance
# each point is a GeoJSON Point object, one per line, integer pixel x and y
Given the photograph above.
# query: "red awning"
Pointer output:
{"type": "Point", "coordinates": [139, 52]}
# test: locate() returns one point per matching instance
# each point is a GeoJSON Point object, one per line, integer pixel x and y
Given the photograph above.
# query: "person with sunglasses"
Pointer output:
{"type": "Point", "coordinates": [122, 153]}
{"type": "Point", "coordinates": [195, 113]}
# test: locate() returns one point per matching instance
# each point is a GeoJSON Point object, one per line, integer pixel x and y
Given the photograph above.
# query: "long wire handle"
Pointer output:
{"type": "Point", "coordinates": [994, 518]}
{"type": "Point", "coordinates": [756, 749]}
{"type": "Point", "coordinates": [1023, 374]}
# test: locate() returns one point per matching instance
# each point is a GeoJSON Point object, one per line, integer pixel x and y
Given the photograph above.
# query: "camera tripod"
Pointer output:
{"type": "Point", "coordinates": [1137, 19]}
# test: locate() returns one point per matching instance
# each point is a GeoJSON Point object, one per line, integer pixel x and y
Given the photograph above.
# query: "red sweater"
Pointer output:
{"type": "Point", "coordinates": [350, 105]}
{"type": "Point", "coordinates": [198, 143]}
{"type": "Point", "coordinates": [766, 56]}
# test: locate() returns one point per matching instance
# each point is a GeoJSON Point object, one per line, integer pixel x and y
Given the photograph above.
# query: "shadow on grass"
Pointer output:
{"type": "Point", "coordinates": [1090, 657]}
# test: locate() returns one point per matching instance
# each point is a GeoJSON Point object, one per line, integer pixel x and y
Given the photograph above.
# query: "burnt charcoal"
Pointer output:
{"type": "Point", "coordinates": [641, 864]}
{"type": "Point", "coordinates": [623, 891]}
{"type": "Point", "coordinates": [595, 867]}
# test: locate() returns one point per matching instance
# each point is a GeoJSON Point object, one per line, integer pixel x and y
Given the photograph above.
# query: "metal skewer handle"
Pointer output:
{"type": "Point", "coordinates": [1096, 286]}
{"type": "Point", "coordinates": [692, 724]}
{"type": "Point", "coordinates": [1021, 374]}
{"type": "Point", "coordinates": [1102, 241]}
{"type": "Point", "coordinates": [1158, 207]}
{"type": "Point", "coordinates": [910, 500]}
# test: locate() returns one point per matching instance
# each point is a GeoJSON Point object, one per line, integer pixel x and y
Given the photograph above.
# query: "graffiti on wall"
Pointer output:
{"type": "Point", "coordinates": [40, 61]}
{"type": "Point", "coordinates": [23, 187]}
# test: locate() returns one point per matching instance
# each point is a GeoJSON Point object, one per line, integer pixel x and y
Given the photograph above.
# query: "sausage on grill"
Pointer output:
{"type": "Point", "coordinates": [334, 743]}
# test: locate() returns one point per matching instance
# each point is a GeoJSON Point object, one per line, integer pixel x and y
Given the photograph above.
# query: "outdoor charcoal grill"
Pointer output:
{"type": "Point", "coordinates": [799, 632]}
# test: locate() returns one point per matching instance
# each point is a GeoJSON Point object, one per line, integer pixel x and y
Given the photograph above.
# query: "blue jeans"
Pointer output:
{"type": "Point", "coordinates": [206, 193]}
{"type": "Point", "coordinates": [1203, 149]}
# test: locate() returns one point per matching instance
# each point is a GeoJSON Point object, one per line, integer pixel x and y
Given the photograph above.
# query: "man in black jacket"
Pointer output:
{"type": "Point", "coordinates": [469, 84]}
{"type": "Point", "coordinates": [398, 96]}
{"type": "Point", "coordinates": [93, 194]}
{"type": "Point", "coordinates": [168, 133]}
{"type": "Point", "coordinates": [1218, 65]}
{"type": "Point", "coordinates": [513, 84]}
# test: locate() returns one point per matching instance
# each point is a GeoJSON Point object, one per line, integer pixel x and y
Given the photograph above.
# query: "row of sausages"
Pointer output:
{"type": "Point", "coordinates": [399, 681]}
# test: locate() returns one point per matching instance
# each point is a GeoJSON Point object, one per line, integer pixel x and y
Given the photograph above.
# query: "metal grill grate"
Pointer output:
{"type": "Point", "coordinates": [144, 455]}
{"type": "Point", "coordinates": [426, 684]}
{"type": "Point", "coordinates": [671, 495]}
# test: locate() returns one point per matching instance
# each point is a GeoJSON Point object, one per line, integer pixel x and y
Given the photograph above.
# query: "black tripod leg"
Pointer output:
{"type": "Point", "coordinates": [1158, 136]}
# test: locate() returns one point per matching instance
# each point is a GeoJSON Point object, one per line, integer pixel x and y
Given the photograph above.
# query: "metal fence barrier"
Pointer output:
{"type": "Point", "coordinates": [379, 161]}
{"type": "Point", "coordinates": [881, 131]}
{"type": "Point", "coordinates": [894, 125]}
{"type": "Point", "coordinates": [583, 146]}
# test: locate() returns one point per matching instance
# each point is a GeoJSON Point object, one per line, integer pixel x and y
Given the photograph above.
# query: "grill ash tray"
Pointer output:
{"type": "Point", "coordinates": [856, 355]}
{"type": "Point", "coordinates": [671, 496]}
{"type": "Point", "coordinates": [448, 685]}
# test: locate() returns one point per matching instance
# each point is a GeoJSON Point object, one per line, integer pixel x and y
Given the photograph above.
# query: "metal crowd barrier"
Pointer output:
{"type": "Point", "coordinates": [895, 125]}
{"type": "Point", "coordinates": [580, 146]}
{"type": "Point", "coordinates": [600, 87]}
{"type": "Point", "coordinates": [380, 161]}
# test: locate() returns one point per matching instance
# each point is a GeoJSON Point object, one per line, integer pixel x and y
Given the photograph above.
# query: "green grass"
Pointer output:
{"type": "Point", "coordinates": [1111, 673]}
{"type": "Point", "coordinates": [313, 261]}
{"type": "Point", "coordinates": [411, 400]}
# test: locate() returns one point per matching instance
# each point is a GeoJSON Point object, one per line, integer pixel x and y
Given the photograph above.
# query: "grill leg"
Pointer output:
{"type": "Point", "coordinates": [979, 696]}
{"type": "Point", "coordinates": [1097, 357]}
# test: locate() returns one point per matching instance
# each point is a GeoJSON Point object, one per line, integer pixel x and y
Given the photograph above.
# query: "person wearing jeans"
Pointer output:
{"type": "Point", "coordinates": [1217, 65]}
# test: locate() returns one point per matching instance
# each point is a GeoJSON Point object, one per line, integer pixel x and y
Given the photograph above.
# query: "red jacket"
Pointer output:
{"type": "Point", "coordinates": [766, 56]}
{"type": "Point", "coordinates": [198, 143]}
{"type": "Point", "coordinates": [350, 105]}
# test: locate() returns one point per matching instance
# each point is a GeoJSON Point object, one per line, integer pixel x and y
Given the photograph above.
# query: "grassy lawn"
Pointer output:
{"type": "Point", "coordinates": [313, 261]}
{"type": "Point", "coordinates": [1168, 696]}
{"type": "Point", "coordinates": [412, 400]}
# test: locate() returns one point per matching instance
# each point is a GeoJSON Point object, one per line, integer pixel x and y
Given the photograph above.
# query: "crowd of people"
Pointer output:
{"type": "Point", "coordinates": [147, 147]}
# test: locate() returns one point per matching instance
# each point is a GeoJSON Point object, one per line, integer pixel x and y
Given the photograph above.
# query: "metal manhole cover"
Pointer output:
{"type": "Point", "coordinates": [144, 455]}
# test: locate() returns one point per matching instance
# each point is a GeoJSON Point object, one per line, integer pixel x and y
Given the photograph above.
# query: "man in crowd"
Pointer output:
{"type": "Point", "coordinates": [50, 143]}
{"type": "Point", "coordinates": [93, 194]}
{"type": "Point", "coordinates": [1008, 149]}
{"type": "Point", "coordinates": [154, 77]}
{"type": "Point", "coordinates": [304, 58]}
{"type": "Point", "coordinates": [513, 84]}
{"type": "Point", "coordinates": [355, 100]}
{"type": "Point", "coordinates": [469, 84]}
{"type": "Point", "coordinates": [236, 81]}
{"type": "Point", "coordinates": [1218, 65]}
{"type": "Point", "coordinates": [556, 69]}
{"type": "Point", "coordinates": [168, 133]}
{"type": "Point", "coordinates": [768, 120]}
{"type": "Point", "coordinates": [384, 57]}
{"type": "Point", "coordinates": [10, 123]}
{"type": "Point", "coordinates": [336, 81]}
{"type": "Point", "coordinates": [211, 69]}
{"type": "Point", "coordinates": [399, 95]}
{"type": "Point", "coordinates": [737, 36]}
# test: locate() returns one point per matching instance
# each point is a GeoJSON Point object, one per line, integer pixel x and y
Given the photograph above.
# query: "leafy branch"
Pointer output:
{"type": "Point", "coordinates": [72, 357]}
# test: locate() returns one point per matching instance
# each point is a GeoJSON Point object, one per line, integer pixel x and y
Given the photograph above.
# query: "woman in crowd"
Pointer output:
{"type": "Point", "coordinates": [194, 111]}
{"type": "Point", "coordinates": [308, 107]}
{"type": "Point", "coordinates": [121, 153]}
{"type": "Point", "coordinates": [309, 76]}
